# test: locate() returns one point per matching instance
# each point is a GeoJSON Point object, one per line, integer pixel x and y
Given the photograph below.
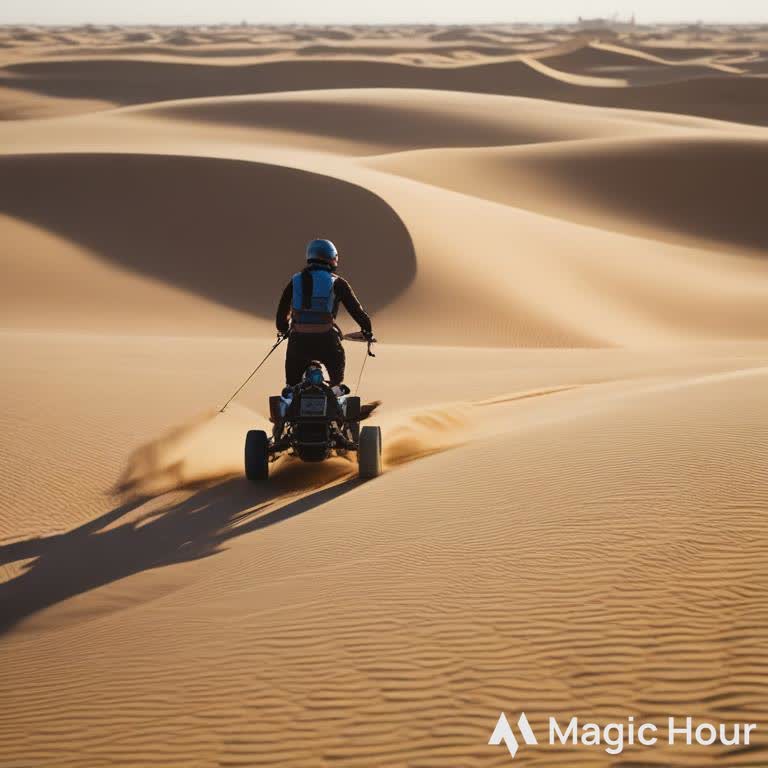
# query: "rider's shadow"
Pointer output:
{"type": "Point", "coordinates": [103, 550]}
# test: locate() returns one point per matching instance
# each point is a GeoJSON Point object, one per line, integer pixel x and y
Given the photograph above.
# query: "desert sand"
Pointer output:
{"type": "Point", "coordinates": [561, 237]}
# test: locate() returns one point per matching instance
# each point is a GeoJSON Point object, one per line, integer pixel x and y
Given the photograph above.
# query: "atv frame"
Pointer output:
{"type": "Point", "coordinates": [313, 423]}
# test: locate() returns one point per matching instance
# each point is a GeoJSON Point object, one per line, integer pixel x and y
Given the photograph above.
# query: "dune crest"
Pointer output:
{"type": "Point", "coordinates": [202, 225]}
{"type": "Point", "coordinates": [624, 184]}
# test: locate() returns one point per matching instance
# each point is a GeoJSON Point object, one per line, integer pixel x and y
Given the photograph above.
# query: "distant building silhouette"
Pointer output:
{"type": "Point", "coordinates": [601, 24]}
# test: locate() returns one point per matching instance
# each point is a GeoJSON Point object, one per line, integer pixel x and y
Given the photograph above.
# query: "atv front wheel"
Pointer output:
{"type": "Point", "coordinates": [257, 456]}
{"type": "Point", "coordinates": [369, 452]}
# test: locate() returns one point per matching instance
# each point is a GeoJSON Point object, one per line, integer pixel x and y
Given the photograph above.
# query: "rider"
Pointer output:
{"type": "Point", "coordinates": [310, 302]}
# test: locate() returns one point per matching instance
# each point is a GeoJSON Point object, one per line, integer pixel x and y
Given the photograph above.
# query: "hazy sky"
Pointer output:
{"type": "Point", "coordinates": [341, 11]}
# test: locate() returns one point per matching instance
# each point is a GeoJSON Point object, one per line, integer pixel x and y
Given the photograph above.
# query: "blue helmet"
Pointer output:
{"type": "Point", "coordinates": [323, 251]}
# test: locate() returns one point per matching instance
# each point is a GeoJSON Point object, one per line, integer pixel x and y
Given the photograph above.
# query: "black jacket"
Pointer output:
{"type": "Point", "coordinates": [343, 294]}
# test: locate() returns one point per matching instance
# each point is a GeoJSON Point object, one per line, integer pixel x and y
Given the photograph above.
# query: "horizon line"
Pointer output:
{"type": "Point", "coordinates": [498, 22]}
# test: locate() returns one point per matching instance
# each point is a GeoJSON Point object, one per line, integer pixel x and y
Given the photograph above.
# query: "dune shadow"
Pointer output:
{"type": "Point", "coordinates": [688, 191]}
{"type": "Point", "coordinates": [684, 190]}
{"type": "Point", "coordinates": [142, 82]}
{"type": "Point", "coordinates": [376, 125]}
{"type": "Point", "coordinates": [720, 95]}
{"type": "Point", "coordinates": [231, 231]}
{"type": "Point", "coordinates": [104, 550]}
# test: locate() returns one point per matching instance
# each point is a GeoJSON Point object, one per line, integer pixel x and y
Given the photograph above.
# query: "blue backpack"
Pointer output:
{"type": "Point", "coordinates": [313, 301]}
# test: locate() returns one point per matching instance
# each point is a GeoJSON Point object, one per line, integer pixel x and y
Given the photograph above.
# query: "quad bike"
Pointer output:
{"type": "Point", "coordinates": [314, 421]}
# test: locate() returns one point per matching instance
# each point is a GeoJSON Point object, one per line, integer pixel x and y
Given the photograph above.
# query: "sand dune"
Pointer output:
{"type": "Point", "coordinates": [384, 120]}
{"type": "Point", "coordinates": [565, 259]}
{"type": "Point", "coordinates": [637, 67]}
{"type": "Point", "coordinates": [571, 78]}
{"type": "Point", "coordinates": [549, 289]}
{"type": "Point", "coordinates": [589, 182]}
{"type": "Point", "coordinates": [23, 105]}
{"type": "Point", "coordinates": [53, 282]}
{"type": "Point", "coordinates": [169, 218]}
{"type": "Point", "coordinates": [138, 78]}
{"type": "Point", "coordinates": [126, 588]}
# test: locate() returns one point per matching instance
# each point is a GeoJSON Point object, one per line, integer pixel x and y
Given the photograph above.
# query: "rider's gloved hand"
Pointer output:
{"type": "Point", "coordinates": [368, 336]}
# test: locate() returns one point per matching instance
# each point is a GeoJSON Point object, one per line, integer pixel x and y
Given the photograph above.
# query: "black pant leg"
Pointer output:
{"type": "Point", "coordinates": [335, 359]}
{"type": "Point", "coordinates": [296, 360]}
{"type": "Point", "coordinates": [304, 348]}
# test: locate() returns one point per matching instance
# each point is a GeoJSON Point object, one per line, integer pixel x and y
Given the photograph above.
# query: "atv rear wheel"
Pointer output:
{"type": "Point", "coordinates": [369, 452]}
{"type": "Point", "coordinates": [257, 456]}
